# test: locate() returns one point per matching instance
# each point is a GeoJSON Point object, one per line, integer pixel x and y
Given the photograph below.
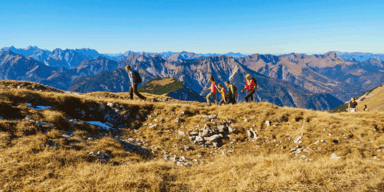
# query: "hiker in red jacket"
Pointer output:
{"type": "Point", "coordinates": [250, 86]}
{"type": "Point", "coordinates": [213, 93]}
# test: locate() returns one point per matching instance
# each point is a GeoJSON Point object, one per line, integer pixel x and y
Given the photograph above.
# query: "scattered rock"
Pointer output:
{"type": "Point", "coordinates": [297, 138]}
{"type": "Point", "coordinates": [267, 123]}
{"type": "Point", "coordinates": [109, 104]}
{"type": "Point", "coordinates": [193, 133]}
{"type": "Point", "coordinates": [334, 156]}
{"type": "Point", "coordinates": [153, 126]}
{"type": "Point", "coordinates": [213, 116]}
{"type": "Point", "coordinates": [181, 133]}
{"type": "Point", "coordinates": [159, 132]}
{"type": "Point", "coordinates": [187, 148]}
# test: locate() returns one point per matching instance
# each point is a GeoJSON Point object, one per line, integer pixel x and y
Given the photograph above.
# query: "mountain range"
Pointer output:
{"type": "Point", "coordinates": [284, 80]}
{"type": "Point", "coordinates": [72, 57]}
{"type": "Point", "coordinates": [195, 74]}
{"type": "Point", "coordinates": [359, 56]}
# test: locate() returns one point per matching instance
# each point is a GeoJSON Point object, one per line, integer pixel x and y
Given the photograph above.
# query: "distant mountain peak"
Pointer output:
{"type": "Point", "coordinates": [331, 54]}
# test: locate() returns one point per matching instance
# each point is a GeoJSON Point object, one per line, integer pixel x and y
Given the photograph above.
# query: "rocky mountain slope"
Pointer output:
{"type": "Point", "coordinates": [171, 87]}
{"type": "Point", "coordinates": [196, 74]}
{"type": "Point", "coordinates": [326, 73]}
{"type": "Point", "coordinates": [103, 141]}
{"type": "Point", "coordinates": [17, 67]}
{"type": "Point", "coordinates": [57, 58]}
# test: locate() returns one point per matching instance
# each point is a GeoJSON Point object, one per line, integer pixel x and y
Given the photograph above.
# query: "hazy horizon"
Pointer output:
{"type": "Point", "coordinates": [122, 52]}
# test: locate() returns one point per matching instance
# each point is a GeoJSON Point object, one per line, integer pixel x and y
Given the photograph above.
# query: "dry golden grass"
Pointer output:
{"type": "Point", "coordinates": [374, 100]}
{"type": "Point", "coordinates": [29, 161]}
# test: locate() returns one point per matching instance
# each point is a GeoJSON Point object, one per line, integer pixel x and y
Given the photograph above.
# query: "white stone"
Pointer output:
{"type": "Point", "coordinates": [181, 133]}
{"type": "Point", "coordinates": [109, 104]}
{"type": "Point", "coordinates": [297, 138]}
{"type": "Point", "coordinates": [334, 156]}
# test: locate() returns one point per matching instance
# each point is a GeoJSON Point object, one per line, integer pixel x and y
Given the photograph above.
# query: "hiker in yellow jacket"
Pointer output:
{"type": "Point", "coordinates": [223, 94]}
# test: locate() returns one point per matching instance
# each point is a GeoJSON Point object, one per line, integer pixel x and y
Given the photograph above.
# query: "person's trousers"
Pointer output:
{"type": "Point", "coordinates": [133, 89]}
{"type": "Point", "coordinates": [249, 96]}
{"type": "Point", "coordinates": [232, 100]}
{"type": "Point", "coordinates": [222, 101]}
{"type": "Point", "coordinates": [214, 98]}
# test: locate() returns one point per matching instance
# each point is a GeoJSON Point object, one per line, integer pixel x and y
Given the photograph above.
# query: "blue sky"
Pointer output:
{"type": "Point", "coordinates": [198, 26]}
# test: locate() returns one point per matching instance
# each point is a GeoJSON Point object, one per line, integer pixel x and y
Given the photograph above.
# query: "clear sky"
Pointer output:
{"type": "Point", "coordinates": [200, 26]}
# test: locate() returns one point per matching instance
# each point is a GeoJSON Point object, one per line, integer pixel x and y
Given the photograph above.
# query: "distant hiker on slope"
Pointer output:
{"type": "Point", "coordinates": [223, 94]}
{"type": "Point", "coordinates": [365, 109]}
{"type": "Point", "coordinates": [232, 92]}
{"type": "Point", "coordinates": [250, 86]}
{"type": "Point", "coordinates": [213, 91]}
{"type": "Point", "coordinates": [352, 107]}
{"type": "Point", "coordinates": [135, 79]}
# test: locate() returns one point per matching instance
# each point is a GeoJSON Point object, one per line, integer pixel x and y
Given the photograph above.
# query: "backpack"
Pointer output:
{"type": "Point", "coordinates": [235, 90]}
{"type": "Point", "coordinates": [137, 77]}
{"type": "Point", "coordinates": [255, 81]}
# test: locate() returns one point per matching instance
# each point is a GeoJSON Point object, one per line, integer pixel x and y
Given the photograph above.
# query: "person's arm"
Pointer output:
{"type": "Point", "coordinates": [246, 87]}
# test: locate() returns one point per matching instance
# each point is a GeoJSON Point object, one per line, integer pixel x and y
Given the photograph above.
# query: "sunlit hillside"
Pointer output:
{"type": "Point", "coordinates": [374, 99]}
{"type": "Point", "coordinates": [66, 141]}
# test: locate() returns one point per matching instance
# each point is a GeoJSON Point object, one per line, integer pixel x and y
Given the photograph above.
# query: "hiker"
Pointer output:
{"type": "Point", "coordinates": [232, 92]}
{"type": "Point", "coordinates": [251, 86]}
{"type": "Point", "coordinates": [365, 109]}
{"type": "Point", "coordinates": [135, 79]}
{"type": "Point", "coordinates": [352, 107]}
{"type": "Point", "coordinates": [223, 94]}
{"type": "Point", "coordinates": [213, 91]}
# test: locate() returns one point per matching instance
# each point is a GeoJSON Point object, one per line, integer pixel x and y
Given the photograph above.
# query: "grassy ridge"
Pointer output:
{"type": "Point", "coordinates": [44, 158]}
{"type": "Point", "coordinates": [153, 87]}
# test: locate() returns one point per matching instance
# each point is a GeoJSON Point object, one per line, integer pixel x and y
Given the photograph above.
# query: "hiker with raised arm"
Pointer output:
{"type": "Point", "coordinates": [251, 86]}
{"type": "Point", "coordinates": [352, 106]}
{"type": "Point", "coordinates": [223, 92]}
{"type": "Point", "coordinates": [135, 79]}
{"type": "Point", "coordinates": [232, 92]}
{"type": "Point", "coordinates": [213, 91]}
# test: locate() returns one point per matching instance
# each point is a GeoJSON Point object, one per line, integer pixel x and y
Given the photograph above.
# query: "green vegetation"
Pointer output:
{"type": "Point", "coordinates": [161, 86]}
{"type": "Point", "coordinates": [341, 108]}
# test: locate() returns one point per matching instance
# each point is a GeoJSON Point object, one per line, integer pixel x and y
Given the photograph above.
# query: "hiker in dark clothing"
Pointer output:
{"type": "Point", "coordinates": [232, 92]}
{"type": "Point", "coordinates": [250, 86]}
{"type": "Point", "coordinates": [135, 79]}
{"type": "Point", "coordinates": [352, 107]}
